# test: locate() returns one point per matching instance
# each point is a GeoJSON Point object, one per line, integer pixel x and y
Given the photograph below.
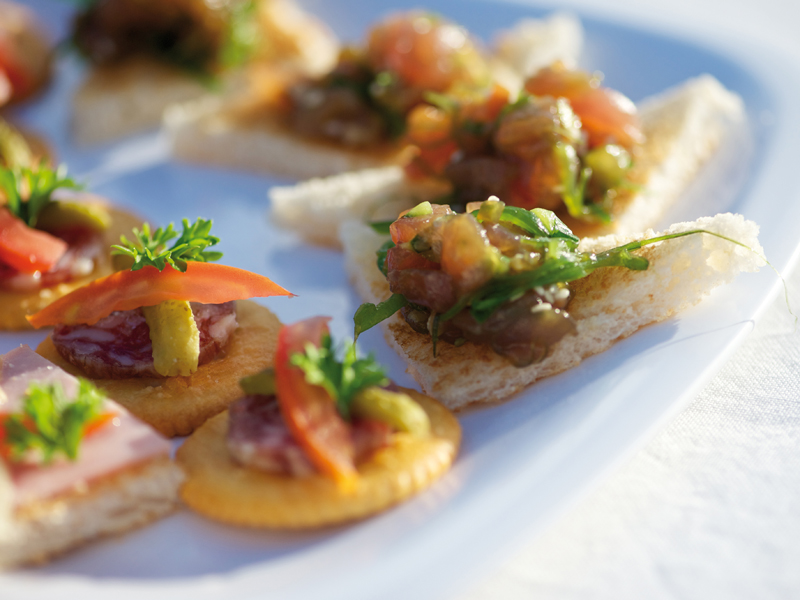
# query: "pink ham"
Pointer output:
{"type": "Point", "coordinates": [123, 442]}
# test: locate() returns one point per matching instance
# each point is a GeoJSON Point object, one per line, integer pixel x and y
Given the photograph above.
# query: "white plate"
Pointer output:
{"type": "Point", "coordinates": [521, 462]}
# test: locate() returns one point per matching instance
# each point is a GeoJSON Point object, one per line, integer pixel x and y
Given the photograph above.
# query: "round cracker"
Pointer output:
{"type": "Point", "coordinates": [178, 405]}
{"type": "Point", "coordinates": [222, 489]}
{"type": "Point", "coordinates": [15, 305]}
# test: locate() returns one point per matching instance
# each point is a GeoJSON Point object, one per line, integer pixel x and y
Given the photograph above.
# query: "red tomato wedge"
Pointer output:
{"type": "Point", "coordinates": [26, 249]}
{"type": "Point", "coordinates": [309, 411]}
{"type": "Point", "coordinates": [609, 117]}
{"type": "Point", "coordinates": [208, 283]}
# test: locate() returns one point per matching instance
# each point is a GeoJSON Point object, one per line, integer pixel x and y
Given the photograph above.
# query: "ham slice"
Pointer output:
{"type": "Point", "coordinates": [122, 443]}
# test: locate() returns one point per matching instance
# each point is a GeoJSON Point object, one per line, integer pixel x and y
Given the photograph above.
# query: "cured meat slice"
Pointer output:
{"type": "Point", "coordinates": [118, 346]}
{"type": "Point", "coordinates": [258, 437]}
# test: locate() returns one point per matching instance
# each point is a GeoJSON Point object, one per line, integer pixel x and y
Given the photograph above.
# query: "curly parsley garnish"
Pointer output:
{"type": "Point", "coordinates": [149, 248]}
{"type": "Point", "coordinates": [29, 190]}
{"type": "Point", "coordinates": [49, 424]}
{"type": "Point", "coordinates": [342, 379]}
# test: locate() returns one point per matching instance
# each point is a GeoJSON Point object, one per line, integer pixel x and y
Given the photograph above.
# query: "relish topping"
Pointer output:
{"type": "Point", "coordinates": [365, 99]}
{"type": "Point", "coordinates": [565, 141]}
{"type": "Point", "coordinates": [197, 36]}
{"type": "Point", "coordinates": [439, 258]}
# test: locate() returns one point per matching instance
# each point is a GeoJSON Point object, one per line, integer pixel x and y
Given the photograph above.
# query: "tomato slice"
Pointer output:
{"type": "Point", "coordinates": [609, 117]}
{"type": "Point", "coordinates": [309, 411]}
{"type": "Point", "coordinates": [208, 283]}
{"type": "Point", "coordinates": [26, 249]}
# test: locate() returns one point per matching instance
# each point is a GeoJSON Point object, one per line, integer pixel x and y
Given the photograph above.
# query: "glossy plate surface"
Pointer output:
{"type": "Point", "coordinates": [522, 462]}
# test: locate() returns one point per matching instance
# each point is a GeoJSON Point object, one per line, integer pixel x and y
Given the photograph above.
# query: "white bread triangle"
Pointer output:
{"type": "Point", "coordinates": [607, 306]}
{"type": "Point", "coordinates": [684, 125]}
{"type": "Point", "coordinates": [131, 97]}
{"type": "Point", "coordinates": [214, 131]}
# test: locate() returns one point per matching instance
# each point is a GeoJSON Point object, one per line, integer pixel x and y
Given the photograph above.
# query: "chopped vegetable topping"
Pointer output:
{"type": "Point", "coordinates": [49, 424]}
{"type": "Point", "coordinates": [196, 36]}
{"type": "Point", "coordinates": [367, 97]}
{"type": "Point", "coordinates": [498, 275]}
{"type": "Point", "coordinates": [565, 142]}
{"type": "Point", "coordinates": [149, 249]}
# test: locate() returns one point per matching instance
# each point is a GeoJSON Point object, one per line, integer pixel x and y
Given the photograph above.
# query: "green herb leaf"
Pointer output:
{"type": "Point", "coordinates": [49, 424]}
{"type": "Point", "coordinates": [28, 190]}
{"type": "Point", "coordinates": [382, 253]}
{"type": "Point", "coordinates": [242, 37]}
{"type": "Point", "coordinates": [381, 227]}
{"type": "Point", "coordinates": [149, 248]}
{"type": "Point", "coordinates": [368, 315]}
{"type": "Point", "coordinates": [342, 379]}
{"type": "Point", "coordinates": [537, 223]}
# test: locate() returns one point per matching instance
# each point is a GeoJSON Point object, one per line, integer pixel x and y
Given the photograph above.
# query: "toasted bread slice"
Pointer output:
{"type": "Point", "coordinates": [684, 127]}
{"type": "Point", "coordinates": [122, 99]}
{"type": "Point", "coordinates": [220, 488]}
{"type": "Point", "coordinates": [249, 134]}
{"type": "Point", "coordinates": [15, 305]}
{"type": "Point", "coordinates": [608, 305]}
{"type": "Point", "coordinates": [178, 405]}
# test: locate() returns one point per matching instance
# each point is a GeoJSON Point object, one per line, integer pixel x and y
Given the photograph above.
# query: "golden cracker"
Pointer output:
{"type": "Point", "coordinates": [222, 489]}
{"type": "Point", "coordinates": [15, 305]}
{"type": "Point", "coordinates": [178, 405]}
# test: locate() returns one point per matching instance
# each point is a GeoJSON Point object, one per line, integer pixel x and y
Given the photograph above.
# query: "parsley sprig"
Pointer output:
{"type": "Point", "coordinates": [149, 248]}
{"type": "Point", "coordinates": [342, 379]}
{"type": "Point", "coordinates": [28, 190]}
{"type": "Point", "coordinates": [49, 424]}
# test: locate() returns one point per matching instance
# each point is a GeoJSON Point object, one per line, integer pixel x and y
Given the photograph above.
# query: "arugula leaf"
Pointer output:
{"type": "Point", "coordinates": [341, 379]}
{"type": "Point", "coordinates": [49, 424]}
{"type": "Point", "coordinates": [28, 190]}
{"type": "Point", "coordinates": [537, 223]}
{"type": "Point", "coordinates": [382, 253]}
{"type": "Point", "coordinates": [368, 315]}
{"type": "Point", "coordinates": [381, 227]}
{"type": "Point", "coordinates": [149, 247]}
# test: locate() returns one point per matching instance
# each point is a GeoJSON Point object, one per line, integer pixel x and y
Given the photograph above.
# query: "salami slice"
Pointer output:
{"type": "Point", "coordinates": [258, 437]}
{"type": "Point", "coordinates": [118, 346]}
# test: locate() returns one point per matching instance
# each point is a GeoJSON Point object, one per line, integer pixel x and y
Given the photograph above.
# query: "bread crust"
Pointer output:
{"type": "Point", "coordinates": [111, 505]}
{"type": "Point", "coordinates": [608, 305]}
{"type": "Point", "coordinates": [178, 405]}
{"type": "Point", "coordinates": [222, 489]}
{"type": "Point", "coordinates": [15, 305]}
